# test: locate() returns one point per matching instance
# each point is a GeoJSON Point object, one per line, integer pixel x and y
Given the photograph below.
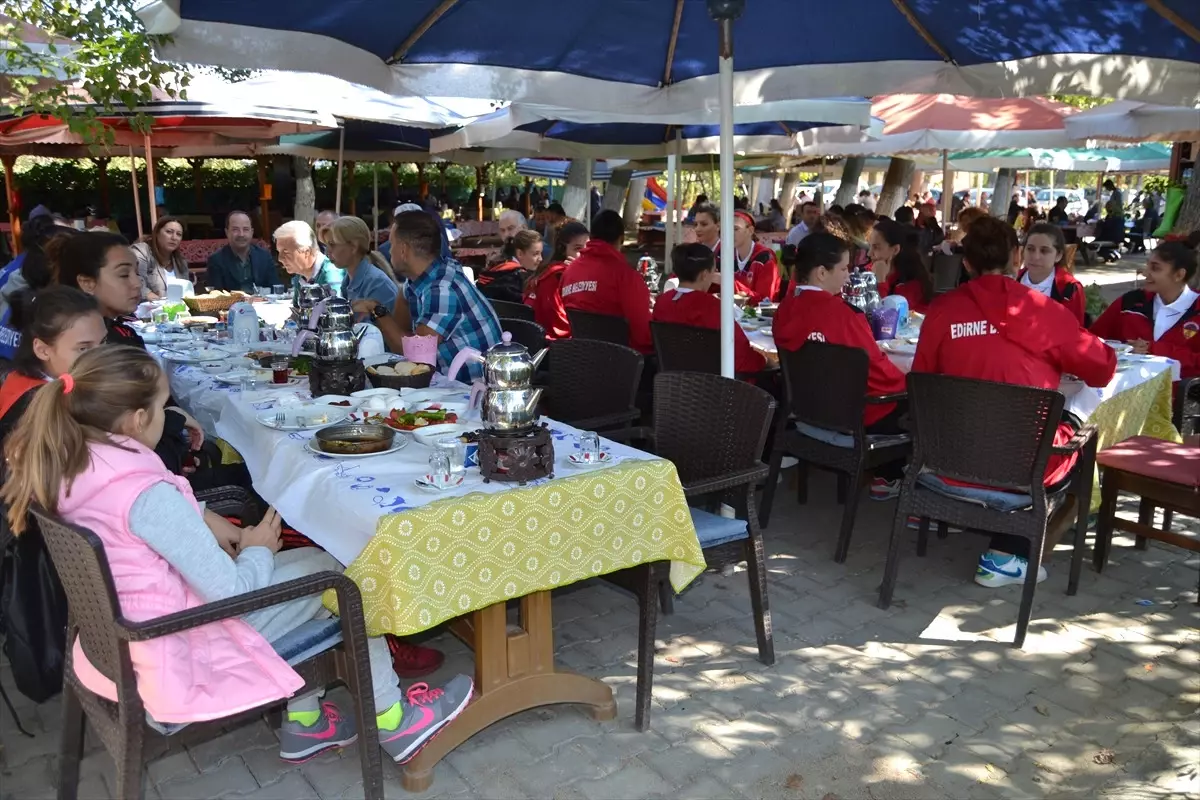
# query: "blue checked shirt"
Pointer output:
{"type": "Point", "coordinates": [449, 304]}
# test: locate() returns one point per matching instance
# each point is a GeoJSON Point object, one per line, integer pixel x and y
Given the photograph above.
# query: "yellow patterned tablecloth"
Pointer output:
{"type": "Point", "coordinates": [461, 554]}
{"type": "Point", "coordinates": [1144, 410]}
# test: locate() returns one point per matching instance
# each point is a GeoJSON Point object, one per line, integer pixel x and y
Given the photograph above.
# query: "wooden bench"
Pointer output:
{"type": "Point", "coordinates": [1163, 474]}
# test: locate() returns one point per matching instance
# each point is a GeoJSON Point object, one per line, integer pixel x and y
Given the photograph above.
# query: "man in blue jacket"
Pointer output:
{"type": "Point", "coordinates": [240, 264]}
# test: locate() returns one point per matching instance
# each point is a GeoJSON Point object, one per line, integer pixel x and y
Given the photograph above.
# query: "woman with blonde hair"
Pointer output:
{"type": "Point", "coordinates": [368, 275]}
{"type": "Point", "coordinates": [158, 258]}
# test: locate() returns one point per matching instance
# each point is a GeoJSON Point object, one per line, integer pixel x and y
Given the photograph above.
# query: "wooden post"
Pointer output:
{"type": "Point", "coordinates": [10, 193]}
{"type": "Point", "coordinates": [137, 201]}
{"type": "Point", "coordinates": [150, 183]}
{"type": "Point", "coordinates": [528, 210]}
{"type": "Point", "coordinates": [264, 199]}
{"type": "Point", "coordinates": [102, 184]}
{"type": "Point", "coordinates": [422, 183]}
{"type": "Point", "coordinates": [442, 167]}
{"type": "Point", "coordinates": [352, 194]}
{"type": "Point", "coordinates": [395, 168]}
{"type": "Point", "coordinates": [479, 181]}
{"type": "Point", "coordinates": [197, 164]}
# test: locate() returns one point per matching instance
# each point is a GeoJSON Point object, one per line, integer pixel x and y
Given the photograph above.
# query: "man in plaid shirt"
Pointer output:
{"type": "Point", "coordinates": [439, 300]}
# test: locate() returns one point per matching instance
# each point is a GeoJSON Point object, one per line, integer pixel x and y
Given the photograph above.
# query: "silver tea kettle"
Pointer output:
{"type": "Point", "coordinates": [508, 399]}
{"type": "Point", "coordinates": [331, 326]}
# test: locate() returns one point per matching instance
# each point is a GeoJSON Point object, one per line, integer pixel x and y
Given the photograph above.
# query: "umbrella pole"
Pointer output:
{"type": "Point", "coordinates": [137, 202]}
{"type": "Point", "coordinates": [947, 190]}
{"type": "Point", "coordinates": [725, 87]}
{"type": "Point", "coordinates": [669, 218]}
{"type": "Point", "coordinates": [337, 197]}
{"type": "Point", "coordinates": [150, 198]}
{"type": "Point", "coordinates": [587, 191]}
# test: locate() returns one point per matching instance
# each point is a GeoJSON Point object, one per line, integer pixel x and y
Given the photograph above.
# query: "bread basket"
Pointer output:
{"type": "Point", "coordinates": [213, 302]}
{"type": "Point", "coordinates": [419, 381]}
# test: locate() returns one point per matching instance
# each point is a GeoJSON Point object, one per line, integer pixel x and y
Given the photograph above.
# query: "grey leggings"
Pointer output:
{"type": "Point", "coordinates": [280, 619]}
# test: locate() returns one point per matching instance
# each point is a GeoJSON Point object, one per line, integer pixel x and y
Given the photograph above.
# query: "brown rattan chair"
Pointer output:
{"type": "Point", "coordinates": [827, 394]}
{"type": "Point", "coordinates": [592, 384]}
{"type": "Point", "coordinates": [996, 435]}
{"type": "Point", "coordinates": [713, 429]}
{"type": "Point", "coordinates": [688, 348]}
{"type": "Point", "coordinates": [946, 271]}
{"type": "Point", "coordinates": [525, 332]}
{"type": "Point", "coordinates": [603, 327]}
{"type": "Point", "coordinates": [507, 310]}
{"type": "Point", "coordinates": [105, 635]}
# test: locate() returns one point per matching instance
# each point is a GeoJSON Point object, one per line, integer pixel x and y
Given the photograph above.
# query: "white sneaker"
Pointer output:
{"type": "Point", "coordinates": [1002, 569]}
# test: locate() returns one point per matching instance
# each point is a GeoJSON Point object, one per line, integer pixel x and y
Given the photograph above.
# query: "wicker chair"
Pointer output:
{"type": "Point", "coordinates": [95, 616]}
{"type": "Point", "coordinates": [713, 429]}
{"type": "Point", "coordinates": [603, 327]}
{"type": "Point", "coordinates": [829, 427]}
{"type": "Point", "coordinates": [946, 271]}
{"type": "Point", "coordinates": [525, 332]}
{"type": "Point", "coordinates": [507, 310]}
{"type": "Point", "coordinates": [1008, 453]}
{"type": "Point", "coordinates": [688, 348]}
{"type": "Point", "coordinates": [592, 384]}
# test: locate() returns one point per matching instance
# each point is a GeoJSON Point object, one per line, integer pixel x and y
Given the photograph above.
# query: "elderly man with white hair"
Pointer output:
{"type": "Point", "coordinates": [511, 222]}
{"type": "Point", "coordinates": [302, 259]}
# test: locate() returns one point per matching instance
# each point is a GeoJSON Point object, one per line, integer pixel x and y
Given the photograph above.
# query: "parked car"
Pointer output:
{"type": "Point", "coordinates": [1076, 204]}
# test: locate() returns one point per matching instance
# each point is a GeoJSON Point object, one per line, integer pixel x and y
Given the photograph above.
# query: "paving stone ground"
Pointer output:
{"type": "Point", "coordinates": [924, 700]}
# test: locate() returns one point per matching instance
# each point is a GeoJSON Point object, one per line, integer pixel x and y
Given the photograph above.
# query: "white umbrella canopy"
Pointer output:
{"type": "Point", "coordinates": [1135, 121]}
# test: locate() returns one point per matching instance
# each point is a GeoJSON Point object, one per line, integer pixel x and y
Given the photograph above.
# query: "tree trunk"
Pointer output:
{"type": "Point", "coordinates": [1006, 179]}
{"type": "Point", "coordinates": [633, 204]}
{"type": "Point", "coordinates": [305, 207]}
{"type": "Point", "coordinates": [614, 193]}
{"type": "Point", "coordinates": [787, 195]}
{"type": "Point", "coordinates": [895, 186]}
{"type": "Point", "coordinates": [847, 192]}
{"type": "Point", "coordinates": [1189, 212]}
{"type": "Point", "coordinates": [577, 189]}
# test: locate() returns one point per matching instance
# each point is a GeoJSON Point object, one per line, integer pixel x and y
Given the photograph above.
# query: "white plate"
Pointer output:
{"type": "Point", "coordinates": [899, 347]}
{"type": "Point", "coordinates": [312, 413]}
{"type": "Point", "coordinates": [1121, 347]}
{"type": "Point", "coordinates": [399, 443]}
{"type": "Point", "coordinates": [429, 434]}
{"type": "Point", "coordinates": [385, 393]}
{"type": "Point", "coordinates": [194, 356]}
{"type": "Point", "coordinates": [235, 376]}
{"type": "Point", "coordinates": [330, 399]}
{"type": "Point", "coordinates": [425, 483]}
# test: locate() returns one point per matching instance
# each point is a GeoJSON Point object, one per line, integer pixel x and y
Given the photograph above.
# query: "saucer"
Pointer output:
{"type": "Point", "coordinates": [426, 482]}
{"type": "Point", "coordinates": [577, 461]}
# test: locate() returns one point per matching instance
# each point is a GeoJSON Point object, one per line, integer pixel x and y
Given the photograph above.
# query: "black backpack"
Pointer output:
{"type": "Point", "coordinates": [33, 615]}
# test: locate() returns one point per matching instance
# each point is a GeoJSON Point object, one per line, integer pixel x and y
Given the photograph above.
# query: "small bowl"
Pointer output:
{"type": "Point", "coordinates": [430, 434]}
{"type": "Point", "coordinates": [214, 367]}
{"type": "Point", "coordinates": [387, 394]}
{"type": "Point", "coordinates": [459, 407]}
{"type": "Point", "coordinates": [339, 401]}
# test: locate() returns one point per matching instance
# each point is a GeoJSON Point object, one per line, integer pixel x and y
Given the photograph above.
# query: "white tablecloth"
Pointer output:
{"type": "Point", "coordinates": [335, 502]}
{"type": "Point", "coordinates": [1081, 401]}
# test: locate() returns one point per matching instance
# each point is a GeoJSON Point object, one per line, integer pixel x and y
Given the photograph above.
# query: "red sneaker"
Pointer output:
{"type": "Point", "coordinates": [412, 660]}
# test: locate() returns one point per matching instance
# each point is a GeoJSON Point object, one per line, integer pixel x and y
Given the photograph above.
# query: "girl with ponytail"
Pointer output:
{"type": "Point", "coordinates": [83, 452]}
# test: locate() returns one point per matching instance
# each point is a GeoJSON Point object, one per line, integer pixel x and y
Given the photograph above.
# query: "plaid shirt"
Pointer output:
{"type": "Point", "coordinates": [445, 301]}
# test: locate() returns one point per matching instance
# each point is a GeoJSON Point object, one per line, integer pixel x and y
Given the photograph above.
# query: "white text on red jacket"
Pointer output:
{"type": "Point", "coordinates": [960, 330]}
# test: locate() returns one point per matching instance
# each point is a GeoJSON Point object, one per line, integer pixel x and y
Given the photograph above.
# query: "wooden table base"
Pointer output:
{"type": "Point", "coordinates": [514, 672]}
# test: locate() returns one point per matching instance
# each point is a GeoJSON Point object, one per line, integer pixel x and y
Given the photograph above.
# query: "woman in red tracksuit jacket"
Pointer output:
{"type": "Point", "coordinates": [505, 280]}
{"type": "Point", "coordinates": [543, 288]}
{"type": "Point", "coordinates": [897, 263]}
{"type": "Point", "coordinates": [815, 311]}
{"type": "Point", "coordinates": [691, 304]}
{"type": "Point", "coordinates": [1043, 272]}
{"type": "Point", "coordinates": [994, 329]}
{"type": "Point", "coordinates": [1163, 317]}
{"type": "Point", "coordinates": [756, 267]}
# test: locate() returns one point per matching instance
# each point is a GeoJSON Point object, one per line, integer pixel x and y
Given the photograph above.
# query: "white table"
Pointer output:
{"type": "Point", "coordinates": [1082, 401]}
{"type": "Point", "coordinates": [335, 502]}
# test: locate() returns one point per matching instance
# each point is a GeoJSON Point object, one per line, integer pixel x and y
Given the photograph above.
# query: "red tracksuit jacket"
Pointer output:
{"type": "Point", "coordinates": [994, 329]}
{"type": "Point", "coordinates": [1132, 317]}
{"type": "Point", "coordinates": [703, 310]}
{"type": "Point", "coordinates": [542, 294]}
{"type": "Point", "coordinates": [1066, 290]}
{"type": "Point", "coordinates": [600, 281]}
{"type": "Point", "coordinates": [817, 315]}
{"type": "Point", "coordinates": [909, 290]}
{"type": "Point", "coordinates": [761, 275]}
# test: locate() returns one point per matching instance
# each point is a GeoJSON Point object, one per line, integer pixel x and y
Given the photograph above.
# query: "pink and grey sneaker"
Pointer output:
{"type": "Point", "coordinates": [882, 489]}
{"type": "Point", "coordinates": [298, 742]}
{"type": "Point", "coordinates": [425, 712]}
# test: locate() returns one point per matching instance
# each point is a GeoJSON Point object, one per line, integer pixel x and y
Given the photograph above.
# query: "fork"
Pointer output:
{"type": "Point", "coordinates": [280, 418]}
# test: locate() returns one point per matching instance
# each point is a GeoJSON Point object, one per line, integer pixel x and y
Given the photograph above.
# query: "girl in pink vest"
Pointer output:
{"type": "Point", "coordinates": [83, 451]}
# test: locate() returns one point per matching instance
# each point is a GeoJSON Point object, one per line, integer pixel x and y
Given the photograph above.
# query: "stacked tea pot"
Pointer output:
{"type": "Point", "coordinates": [507, 399]}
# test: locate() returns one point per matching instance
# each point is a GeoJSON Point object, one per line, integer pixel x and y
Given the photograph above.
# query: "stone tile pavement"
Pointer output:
{"type": "Point", "coordinates": [925, 700]}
